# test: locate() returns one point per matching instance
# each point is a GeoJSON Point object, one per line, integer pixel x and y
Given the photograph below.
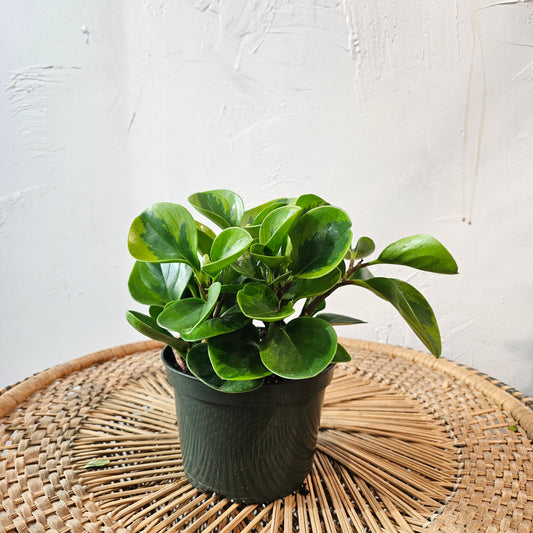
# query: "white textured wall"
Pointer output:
{"type": "Point", "coordinates": [415, 116]}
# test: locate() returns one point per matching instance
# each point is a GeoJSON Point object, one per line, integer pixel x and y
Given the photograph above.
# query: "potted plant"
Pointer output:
{"type": "Point", "coordinates": [254, 348]}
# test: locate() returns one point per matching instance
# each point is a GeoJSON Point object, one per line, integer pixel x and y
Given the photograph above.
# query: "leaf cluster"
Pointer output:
{"type": "Point", "coordinates": [226, 301]}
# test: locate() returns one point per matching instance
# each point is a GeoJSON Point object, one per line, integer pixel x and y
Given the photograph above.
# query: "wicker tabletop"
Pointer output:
{"type": "Point", "coordinates": [407, 443]}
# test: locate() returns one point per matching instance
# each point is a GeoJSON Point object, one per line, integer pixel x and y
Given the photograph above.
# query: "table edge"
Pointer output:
{"type": "Point", "coordinates": [499, 392]}
{"type": "Point", "coordinates": [16, 394]}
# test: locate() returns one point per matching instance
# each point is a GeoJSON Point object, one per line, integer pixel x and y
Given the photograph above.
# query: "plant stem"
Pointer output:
{"type": "Point", "coordinates": [218, 307]}
{"type": "Point", "coordinates": [354, 268]}
{"type": "Point", "coordinates": [204, 292]}
{"type": "Point", "coordinates": [309, 309]}
{"type": "Point", "coordinates": [284, 289]}
{"type": "Point", "coordinates": [181, 362]}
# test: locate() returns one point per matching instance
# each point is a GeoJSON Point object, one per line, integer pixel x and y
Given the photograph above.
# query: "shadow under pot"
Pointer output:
{"type": "Point", "coordinates": [252, 447]}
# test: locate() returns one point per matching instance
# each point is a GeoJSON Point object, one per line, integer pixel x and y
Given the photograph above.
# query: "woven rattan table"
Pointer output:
{"type": "Point", "coordinates": [407, 443]}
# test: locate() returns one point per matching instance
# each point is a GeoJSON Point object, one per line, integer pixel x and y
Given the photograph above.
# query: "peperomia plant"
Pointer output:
{"type": "Point", "coordinates": [249, 302]}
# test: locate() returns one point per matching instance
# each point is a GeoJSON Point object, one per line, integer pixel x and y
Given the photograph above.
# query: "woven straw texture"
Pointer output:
{"type": "Point", "coordinates": [407, 443]}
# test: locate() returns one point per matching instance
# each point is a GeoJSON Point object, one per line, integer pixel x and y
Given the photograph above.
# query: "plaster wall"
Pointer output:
{"type": "Point", "coordinates": [414, 116]}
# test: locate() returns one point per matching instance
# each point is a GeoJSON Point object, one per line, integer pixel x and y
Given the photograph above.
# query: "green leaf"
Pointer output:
{"type": "Point", "coordinates": [364, 247]}
{"type": "Point", "coordinates": [253, 231]}
{"type": "Point", "coordinates": [260, 302]}
{"type": "Point", "coordinates": [514, 428]}
{"type": "Point", "coordinates": [164, 233]}
{"type": "Point", "coordinates": [320, 239]}
{"type": "Point", "coordinates": [301, 349]}
{"type": "Point", "coordinates": [265, 255]}
{"type": "Point", "coordinates": [236, 355]}
{"type": "Point", "coordinates": [361, 273]}
{"type": "Point", "coordinates": [230, 277]}
{"type": "Point", "coordinates": [306, 288]}
{"type": "Point", "coordinates": [185, 315]}
{"type": "Point", "coordinates": [276, 226]}
{"type": "Point", "coordinates": [248, 266]}
{"type": "Point", "coordinates": [97, 463]}
{"type": "Point", "coordinates": [154, 311]}
{"type": "Point", "coordinates": [341, 355]}
{"type": "Point", "coordinates": [158, 283]}
{"type": "Point", "coordinates": [310, 201]}
{"type": "Point", "coordinates": [231, 320]}
{"type": "Point", "coordinates": [256, 215]}
{"type": "Point", "coordinates": [231, 289]}
{"type": "Point", "coordinates": [228, 246]}
{"type": "Point", "coordinates": [200, 365]}
{"type": "Point", "coordinates": [419, 251]}
{"type": "Point", "coordinates": [224, 208]}
{"type": "Point", "coordinates": [411, 305]}
{"type": "Point", "coordinates": [339, 320]}
{"type": "Point", "coordinates": [269, 207]}
{"type": "Point", "coordinates": [206, 236]}
{"type": "Point", "coordinates": [148, 326]}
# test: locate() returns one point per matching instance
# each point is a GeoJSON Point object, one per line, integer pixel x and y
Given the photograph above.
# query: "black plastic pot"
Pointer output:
{"type": "Point", "coordinates": [251, 447]}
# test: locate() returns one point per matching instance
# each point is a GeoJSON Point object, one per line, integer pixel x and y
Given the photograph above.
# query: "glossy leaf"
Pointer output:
{"type": "Point", "coordinates": [301, 349]}
{"type": "Point", "coordinates": [342, 268]}
{"type": "Point", "coordinates": [265, 255]}
{"type": "Point", "coordinates": [365, 246]}
{"type": "Point", "coordinates": [419, 251]}
{"type": "Point", "coordinates": [256, 215]}
{"type": "Point", "coordinates": [231, 320]}
{"type": "Point", "coordinates": [310, 201]}
{"type": "Point", "coordinates": [411, 305]}
{"type": "Point", "coordinates": [248, 266]}
{"type": "Point", "coordinates": [361, 273]}
{"type": "Point", "coordinates": [228, 246]}
{"type": "Point", "coordinates": [236, 355]}
{"type": "Point", "coordinates": [230, 277]}
{"type": "Point", "coordinates": [320, 240]}
{"type": "Point", "coordinates": [184, 315]}
{"type": "Point", "coordinates": [338, 320]}
{"type": "Point", "coordinates": [199, 364]}
{"type": "Point", "coordinates": [206, 236]}
{"type": "Point", "coordinates": [164, 233]}
{"type": "Point", "coordinates": [258, 301]}
{"type": "Point", "coordinates": [148, 326]}
{"type": "Point", "coordinates": [224, 208]}
{"type": "Point", "coordinates": [306, 288]}
{"type": "Point", "coordinates": [286, 248]}
{"type": "Point", "coordinates": [253, 231]}
{"type": "Point", "coordinates": [276, 226]}
{"type": "Point", "coordinates": [158, 283]}
{"type": "Point", "coordinates": [154, 311]}
{"type": "Point", "coordinates": [231, 289]}
{"type": "Point", "coordinates": [341, 355]}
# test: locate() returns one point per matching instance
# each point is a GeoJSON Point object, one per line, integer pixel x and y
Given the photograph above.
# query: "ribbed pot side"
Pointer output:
{"type": "Point", "coordinates": [251, 447]}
